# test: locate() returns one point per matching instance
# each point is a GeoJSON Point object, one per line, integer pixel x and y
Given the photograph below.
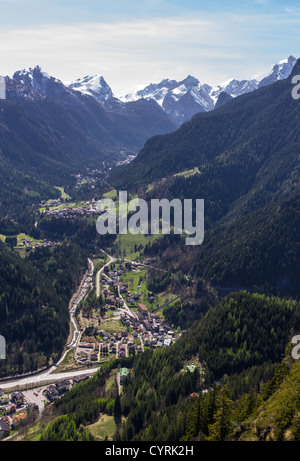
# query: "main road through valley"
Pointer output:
{"type": "Point", "coordinates": [49, 376]}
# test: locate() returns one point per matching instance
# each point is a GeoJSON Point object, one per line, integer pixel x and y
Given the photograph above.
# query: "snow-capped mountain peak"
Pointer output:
{"type": "Point", "coordinates": [155, 91]}
{"type": "Point", "coordinates": [189, 82]}
{"type": "Point", "coordinates": [94, 86]}
{"type": "Point", "coordinates": [41, 82]}
{"type": "Point", "coordinates": [30, 72]}
{"type": "Point", "coordinates": [183, 99]}
{"type": "Point", "coordinates": [280, 71]}
{"type": "Point", "coordinates": [33, 76]}
{"type": "Point", "coordinates": [234, 88]}
{"type": "Point", "coordinates": [166, 88]}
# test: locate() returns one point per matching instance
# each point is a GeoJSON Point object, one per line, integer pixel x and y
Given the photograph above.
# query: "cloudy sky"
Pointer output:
{"type": "Point", "coordinates": [135, 42]}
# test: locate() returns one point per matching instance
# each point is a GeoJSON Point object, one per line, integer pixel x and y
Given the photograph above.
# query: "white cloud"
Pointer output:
{"type": "Point", "coordinates": [131, 54]}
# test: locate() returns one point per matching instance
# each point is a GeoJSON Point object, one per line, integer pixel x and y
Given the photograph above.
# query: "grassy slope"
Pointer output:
{"type": "Point", "coordinates": [278, 417]}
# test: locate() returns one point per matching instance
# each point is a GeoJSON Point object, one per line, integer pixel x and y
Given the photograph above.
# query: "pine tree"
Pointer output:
{"type": "Point", "coordinates": [195, 420]}
{"type": "Point", "coordinates": [210, 408]}
{"type": "Point", "coordinates": [220, 429]}
{"type": "Point", "coordinates": [117, 407]}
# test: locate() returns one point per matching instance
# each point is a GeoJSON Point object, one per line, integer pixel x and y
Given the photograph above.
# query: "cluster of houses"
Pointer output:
{"type": "Point", "coordinates": [149, 327]}
{"type": "Point", "coordinates": [89, 177]}
{"type": "Point", "coordinates": [54, 391]}
{"type": "Point", "coordinates": [112, 280]}
{"type": "Point", "coordinates": [120, 344]}
{"type": "Point", "coordinates": [141, 329]}
{"type": "Point", "coordinates": [51, 203]}
{"type": "Point", "coordinates": [129, 158]}
{"type": "Point", "coordinates": [113, 298]}
{"type": "Point", "coordinates": [140, 332]}
{"type": "Point", "coordinates": [29, 245]}
{"type": "Point", "coordinates": [88, 350]}
{"type": "Point", "coordinates": [111, 286]}
{"type": "Point", "coordinates": [13, 409]}
{"type": "Point", "coordinates": [152, 329]}
{"type": "Point", "coordinates": [124, 344]}
{"type": "Point", "coordinates": [89, 209]}
{"type": "Point", "coordinates": [115, 343]}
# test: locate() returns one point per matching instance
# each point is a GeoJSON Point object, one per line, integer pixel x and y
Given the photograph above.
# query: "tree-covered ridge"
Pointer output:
{"type": "Point", "coordinates": [245, 333]}
{"type": "Point", "coordinates": [63, 429]}
{"type": "Point", "coordinates": [277, 418]}
{"type": "Point", "coordinates": [260, 250]}
{"type": "Point", "coordinates": [272, 414]}
{"type": "Point", "coordinates": [244, 330]}
{"type": "Point", "coordinates": [240, 342]}
{"type": "Point", "coordinates": [21, 189]}
{"type": "Point", "coordinates": [35, 294]}
{"type": "Point", "coordinates": [34, 157]}
{"type": "Point", "coordinates": [211, 417]}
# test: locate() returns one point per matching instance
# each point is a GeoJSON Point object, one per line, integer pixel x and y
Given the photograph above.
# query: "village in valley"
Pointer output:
{"type": "Point", "coordinates": [121, 321]}
{"type": "Point", "coordinates": [116, 319]}
{"type": "Point", "coordinates": [115, 314]}
{"type": "Point", "coordinates": [57, 209]}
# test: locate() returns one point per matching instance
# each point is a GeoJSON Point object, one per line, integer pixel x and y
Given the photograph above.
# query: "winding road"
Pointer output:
{"type": "Point", "coordinates": [49, 376]}
{"type": "Point", "coordinates": [111, 260]}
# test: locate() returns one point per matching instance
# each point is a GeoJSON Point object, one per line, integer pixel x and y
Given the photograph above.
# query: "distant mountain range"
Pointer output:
{"type": "Point", "coordinates": [49, 130]}
{"type": "Point", "coordinates": [181, 100]}
{"type": "Point", "coordinates": [114, 124]}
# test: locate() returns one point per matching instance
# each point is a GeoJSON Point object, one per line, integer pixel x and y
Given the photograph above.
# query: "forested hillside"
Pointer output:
{"type": "Point", "coordinates": [35, 157]}
{"type": "Point", "coordinates": [34, 299]}
{"type": "Point", "coordinates": [269, 415]}
{"type": "Point", "coordinates": [245, 330]}
{"type": "Point", "coordinates": [245, 334]}
{"type": "Point", "coordinates": [258, 251]}
{"type": "Point", "coordinates": [277, 418]}
{"type": "Point", "coordinates": [241, 342]}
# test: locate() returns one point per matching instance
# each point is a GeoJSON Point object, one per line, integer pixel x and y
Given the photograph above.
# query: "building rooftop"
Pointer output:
{"type": "Point", "coordinates": [124, 372]}
{"type": "Point", "coordinates": [191, 368]}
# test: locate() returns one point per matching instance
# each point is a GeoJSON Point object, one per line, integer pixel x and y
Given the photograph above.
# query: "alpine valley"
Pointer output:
{"type": "Point", "coordinates": [128, 338]}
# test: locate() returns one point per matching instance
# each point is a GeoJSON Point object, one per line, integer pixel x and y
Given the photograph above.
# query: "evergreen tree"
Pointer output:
{"type": "Point", "coordinates": [220, 429]}
{"type": "Point", "coordinates": [196, 421]}
{"type": "Point", "coordinates": [117, 407]}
